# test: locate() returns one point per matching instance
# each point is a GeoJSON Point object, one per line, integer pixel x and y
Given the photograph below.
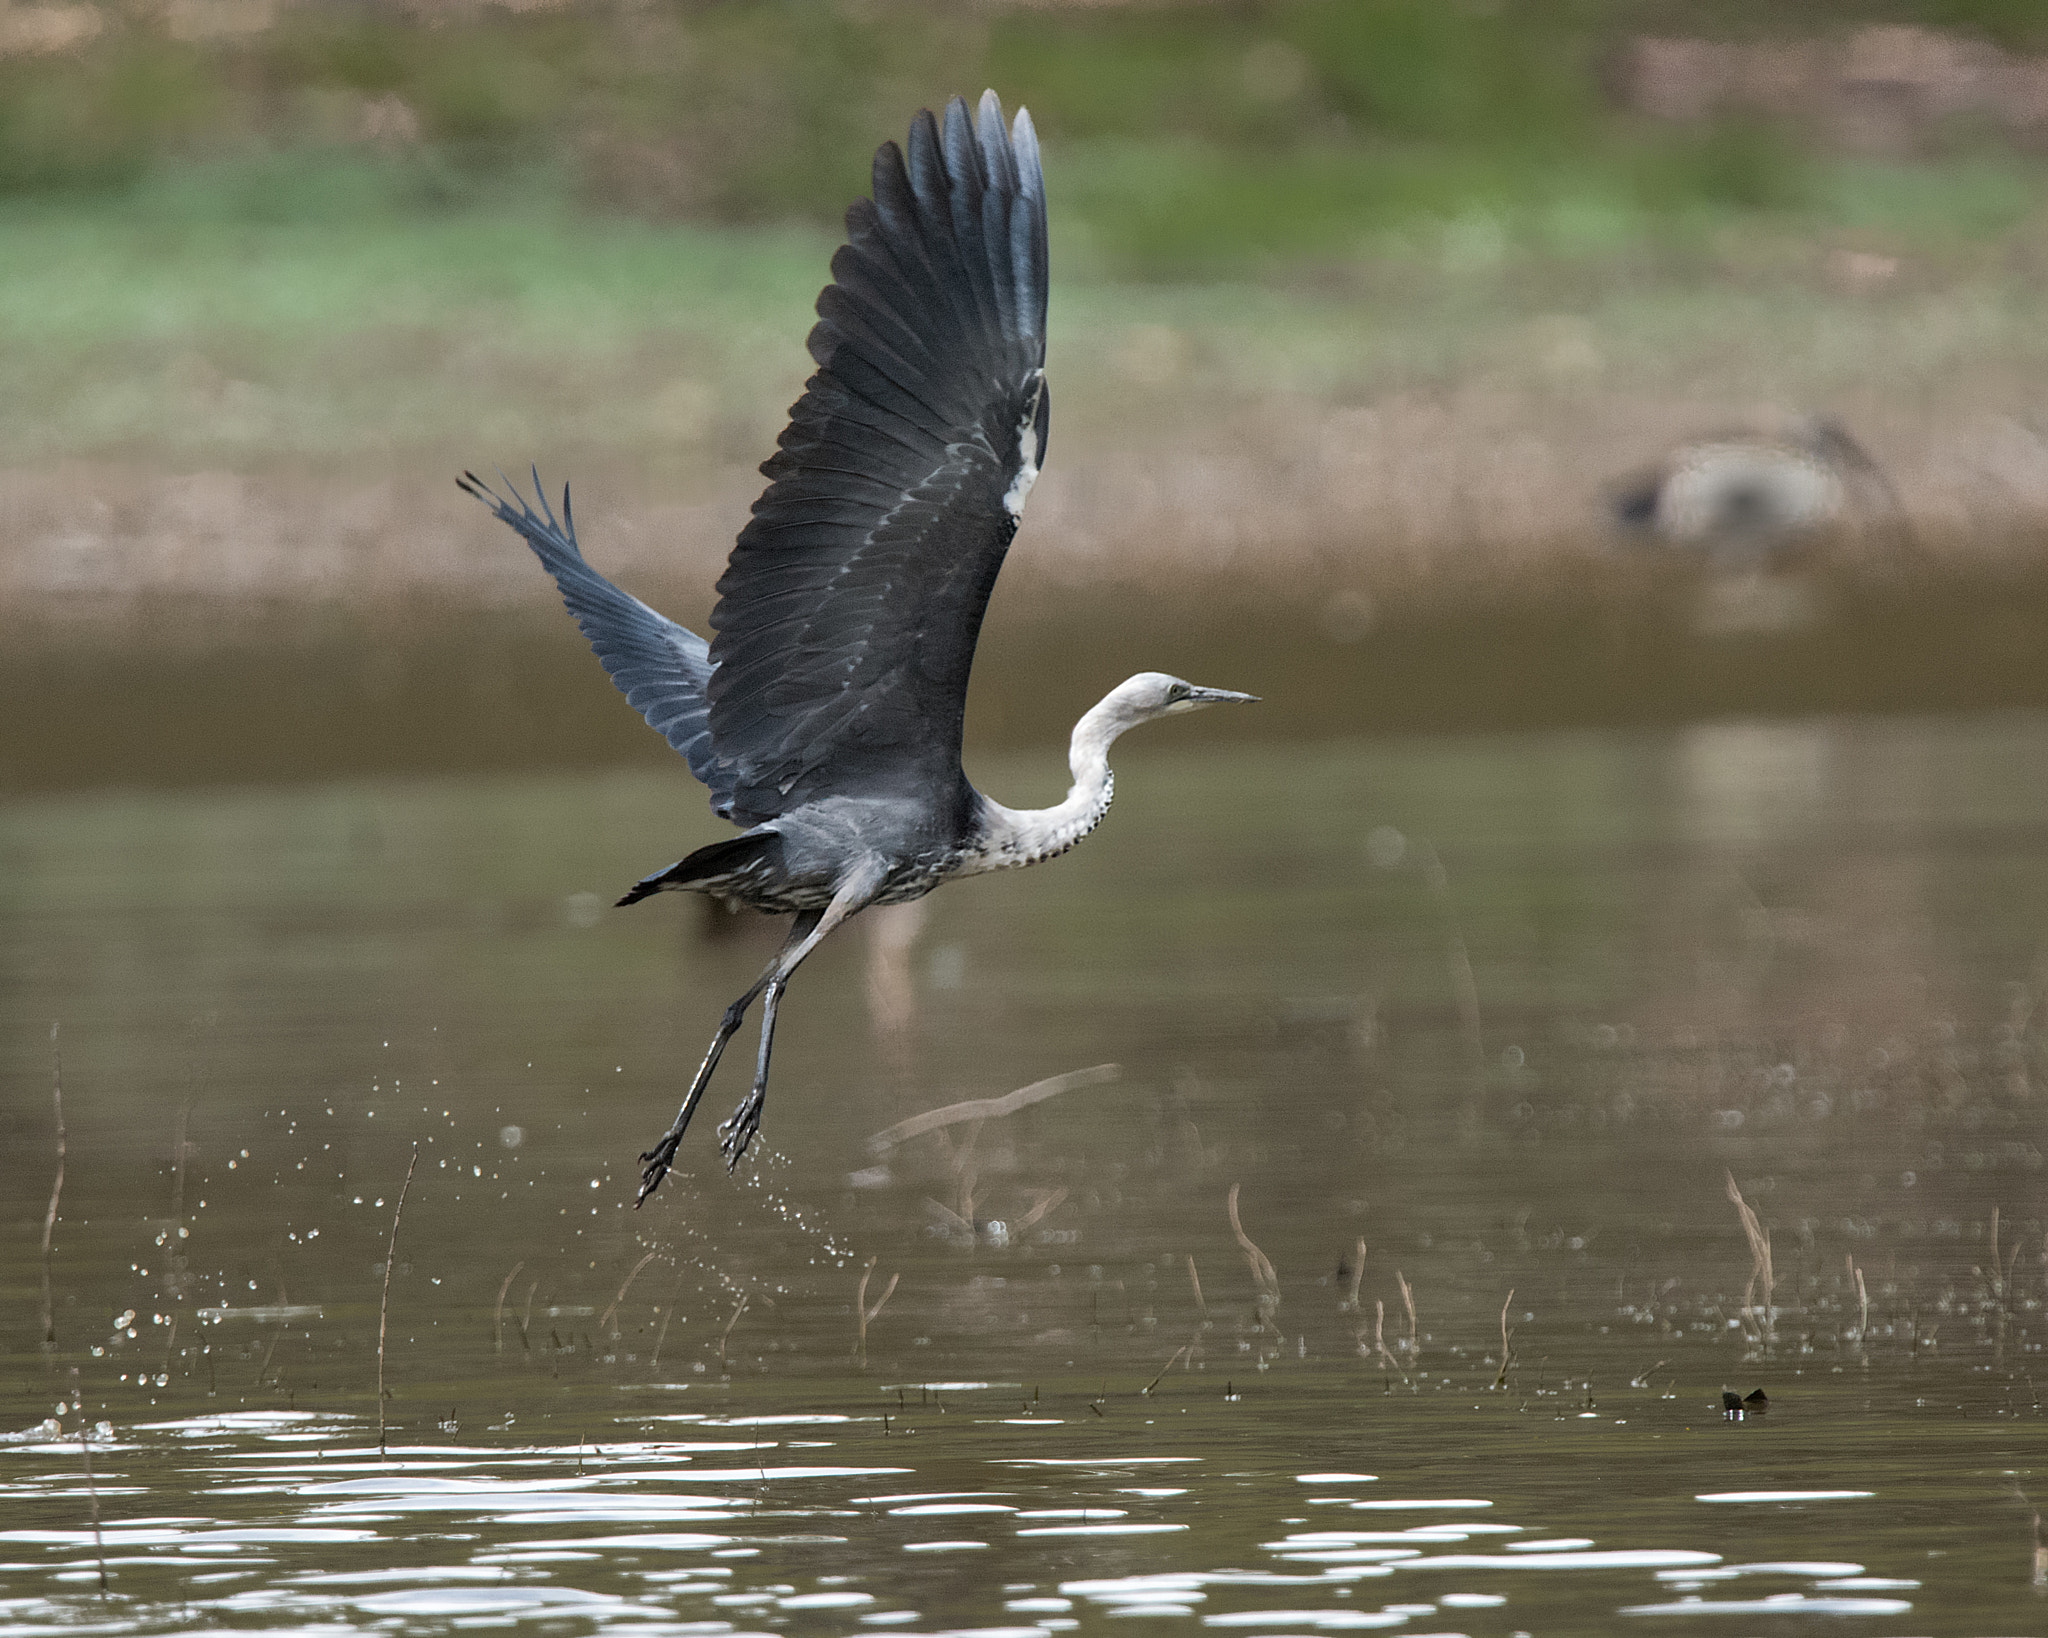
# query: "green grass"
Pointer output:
{"type": "Point", "coordinates": [322, 302]}
{"type": "Point", "coordinates": [1192, 138]}
{"type": "Point", "coordinates": [608, 234]}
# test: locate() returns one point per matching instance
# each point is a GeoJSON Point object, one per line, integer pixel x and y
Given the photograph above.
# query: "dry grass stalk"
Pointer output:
{"type": "Point", "coordinates": [1350, 1303]}
{"type": "Point", "coordinates": [1195, 1280]}
{"type": "Point", "coordinates": [962, 1225]}
{"type": "Point", "coordinates": [92, 1493]}
{"type": "Point", "coordinates": [384, 1307]}
{"type": "Point", "coordinates": [277, 1336]}
{"type": "Point", "coordinates": [864, 1316]}
{"type": "Point", "coordinates": [1178, 1354]}
{"type": "Point", "coordinates": [1379, 1340]}
{"type": "Point", "coordinates": [1463, 983]}
{"type": "Point", "coordinates": [174, 1259]}
{"type": "Point", "coordinates": [668, 1314]}
{"type": "Point", "coordinates": [1507, 1342]}
{"type": "Point", "coordinates": [605, 1317]}
{"type": "Point", "coordinates": [968, 1171]}
{"type": "Point", "coordinates": [1046, 1202]}
{"type": "Point", "coordinates": [171, 1343]}
{"type": "Point", "coordinates": [1267, 1281]}
{"type": "Point", "coordinates": [1414, 1344]}
{"type": "Point", "coordinates": [56, 1193]}
{"type": "Point", "coordinates": [1760, 1276]}
{"type": "Point", "coordinates": [498, 1313]}
{"type": "Point", "coordinates": [1642, 1378]}
{"type": "Point", "coordinates": [738, 1309]}
{"type": "Point", "coordinates": [979, 1109]}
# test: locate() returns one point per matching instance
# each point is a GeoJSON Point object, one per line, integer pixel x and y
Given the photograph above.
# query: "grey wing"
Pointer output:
{"type": "Point", "coordinates": [661, 668]}
{"type": "Point", "coordinates": [848, 614]}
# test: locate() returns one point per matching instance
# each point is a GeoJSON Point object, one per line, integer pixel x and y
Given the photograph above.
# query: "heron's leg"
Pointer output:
{"type": "Point", "coordinates": [738, 1130]}
{"type": "Point", "coordinates": [656, 1162]}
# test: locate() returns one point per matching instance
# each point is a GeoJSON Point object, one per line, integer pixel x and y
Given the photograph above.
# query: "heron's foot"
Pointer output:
{"type": "Point", "coordinates": [738, 1131]}
{"type": "Point", "coordinates": [655, 1163]}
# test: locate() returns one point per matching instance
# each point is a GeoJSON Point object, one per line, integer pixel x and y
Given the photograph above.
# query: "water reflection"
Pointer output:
{"type": "Point", "coordinates": [1390, 1275]}
{"type": "Point", "coordinates": [593, 1536]}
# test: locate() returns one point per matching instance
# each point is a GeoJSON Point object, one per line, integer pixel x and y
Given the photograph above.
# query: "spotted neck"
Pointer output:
{"type": "Point", "coordinates": [1014, 837]}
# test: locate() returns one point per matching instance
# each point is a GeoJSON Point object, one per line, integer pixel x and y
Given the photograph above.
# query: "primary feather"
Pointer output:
{"type": "Point", "coordinates": [848, 615]}
{"type": "Point", "coordinates": [660, 667]}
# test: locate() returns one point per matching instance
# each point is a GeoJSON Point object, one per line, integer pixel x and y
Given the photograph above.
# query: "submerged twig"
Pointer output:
{"type": "Point", "coordinates": [605, 1318]}
{"type": "Point", "coordinates": [1169, 1365]}
{"type": "Point", "coordinates": [1046, 1203]}
{"type": "Point", "coordinates": [1379, 1340]}
{"type": "Point", "coordinates": [667, 1314]}
{"type": "Point", "coordinates": [56, 1192]}
{"type": "Point", "coordinates": [498, 1313]}
{"type": "Point", "coordinates": [277, 1336]}
{"type": "Point", "coordinates": [864, 1316]}
{"type": "Point", "coordinates": [1759, 1266]}
{"type": "Point", "coordinates": [1862, 1308]}
{"type": "Point", "coordinates": [1507, 1341]}
{"type": "Point", "coordinates": [1350, 1304]}
{"type": "Point", "coordinates": [1267, 1281]}
{"type": "Point", "coordinates": [1463, 982]}
{"type": "Point", "coordinates": [979, 1109]}
{"type": "Point", "coordinates": [384, 1307]}
{"type": "Point", "coordinates": [739, 1308]}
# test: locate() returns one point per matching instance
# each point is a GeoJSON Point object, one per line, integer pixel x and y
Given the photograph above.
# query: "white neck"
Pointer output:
{"type": "Point", "coordinates": [1013, 837]}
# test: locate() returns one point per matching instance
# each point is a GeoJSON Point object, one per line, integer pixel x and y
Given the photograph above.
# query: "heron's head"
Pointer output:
{"type": "Point", "coordinates": [1153, 694]}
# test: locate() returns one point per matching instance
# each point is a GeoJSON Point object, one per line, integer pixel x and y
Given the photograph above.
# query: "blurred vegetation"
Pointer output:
{"type": "Point", "coordinates": [1192, 138]}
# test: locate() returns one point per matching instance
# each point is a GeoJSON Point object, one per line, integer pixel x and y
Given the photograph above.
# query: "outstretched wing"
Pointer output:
{"type": "Point", "coordinates": [848, 614]}
{"type": "Point", "coordinates": [660, 668]}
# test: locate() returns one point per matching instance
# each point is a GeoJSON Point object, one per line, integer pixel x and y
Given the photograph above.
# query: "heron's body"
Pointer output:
{"type": "Point", "coordinates": [1743, 499]}
{"type": "Point", "coordinates": [825, 716]}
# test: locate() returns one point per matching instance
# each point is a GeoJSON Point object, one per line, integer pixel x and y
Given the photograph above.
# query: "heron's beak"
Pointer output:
{"type": "Point", "coordinates": [1220, 696]}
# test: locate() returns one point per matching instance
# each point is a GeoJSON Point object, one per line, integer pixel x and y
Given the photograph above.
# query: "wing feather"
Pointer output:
{"type": "Point", "coordinates": [660, 667]}
{"type": "Point", "coordinates": [848, 614]}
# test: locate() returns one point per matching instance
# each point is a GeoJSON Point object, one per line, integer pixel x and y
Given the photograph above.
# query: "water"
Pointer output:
{"type": "Point", "coordinates": [1509, 1014]}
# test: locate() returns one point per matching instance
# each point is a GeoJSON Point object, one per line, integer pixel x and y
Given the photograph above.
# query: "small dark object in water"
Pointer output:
{"type": "Point", "coordinates": [825, 715]}
{"type": "Point", "coordinates": [1737, 1409]}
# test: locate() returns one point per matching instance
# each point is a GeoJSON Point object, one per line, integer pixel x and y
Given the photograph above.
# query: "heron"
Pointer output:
{"type": "Point", "coordinates": [825, 712]}
{"type": "Point", "coordinates": [1746, 498]}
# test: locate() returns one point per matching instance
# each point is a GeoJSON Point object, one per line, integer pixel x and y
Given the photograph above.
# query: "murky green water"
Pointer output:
{"type": "Point", "coordinates": [1809, 956]}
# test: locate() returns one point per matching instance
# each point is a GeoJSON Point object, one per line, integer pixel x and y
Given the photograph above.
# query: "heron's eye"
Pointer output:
{"type": "Point", "coordinates": [1179, 691]}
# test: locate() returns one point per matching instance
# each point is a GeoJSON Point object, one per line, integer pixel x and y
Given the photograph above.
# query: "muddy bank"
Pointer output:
{"type": "Point", "coordinates": [1289, 497]}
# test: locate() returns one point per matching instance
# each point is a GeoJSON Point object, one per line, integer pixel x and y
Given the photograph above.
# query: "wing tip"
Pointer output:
{"type": "Point", "coordinates": [1024, 143]}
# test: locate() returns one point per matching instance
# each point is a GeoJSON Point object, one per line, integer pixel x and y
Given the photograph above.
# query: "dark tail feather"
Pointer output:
{"type": "Point", "coordinates": [738, 857]}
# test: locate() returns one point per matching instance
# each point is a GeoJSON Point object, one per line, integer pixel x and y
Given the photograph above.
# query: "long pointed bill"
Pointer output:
{"type": "Point", "coordinates": [1220, 696]}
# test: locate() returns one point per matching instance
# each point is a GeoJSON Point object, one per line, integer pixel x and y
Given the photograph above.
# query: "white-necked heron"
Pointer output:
{"type": "Point", "coordinates": [825, 713]}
